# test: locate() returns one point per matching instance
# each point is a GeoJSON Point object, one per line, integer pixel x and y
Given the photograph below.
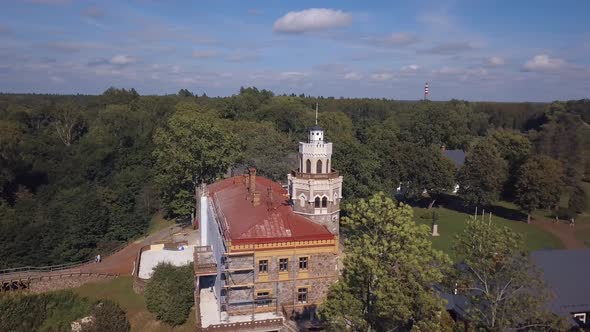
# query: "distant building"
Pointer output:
{"type": "Point", "coordinates": [566, 272]}
{"type": "Point", "coordinates": [268, 252]}
{"type": "Point", "coordinates": [458, 158]}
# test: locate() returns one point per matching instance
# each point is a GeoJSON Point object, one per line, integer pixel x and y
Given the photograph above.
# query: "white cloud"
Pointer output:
{"type": "Point", "coordinates": [204, 54]}
{"type": "Point", "coordinates": [495, 61]}
{"type": "Point", "coordinates": [122, 60]}
{"type": "Point", "coordinates": [56, 79]}
{"type": "Point", "coordinates": [381, 76]}
{"type": "Point", "coordinates": [542, 62]}
{"type": "Point", "coordinates": [292, 75]}
{"type": "Point", "coordinates": [312, 19]}
{"type": "Point", "coordinates": [352, 76]}
{"type": "Point", "coordinates": [410, 68]}
{"type": "Point", "coordinates": [399, 38]}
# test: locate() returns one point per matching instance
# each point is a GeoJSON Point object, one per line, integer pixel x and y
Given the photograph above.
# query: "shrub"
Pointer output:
{"type": "Point", "coordinates": [170, 293]}
{"type": "Point", "coordinates": [108, 316]}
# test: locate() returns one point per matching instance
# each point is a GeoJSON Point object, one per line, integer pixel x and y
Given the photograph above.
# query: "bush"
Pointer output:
{"type": "Point", "coordinates": [44, 312]}
{"type": "Point", "coordinates": [108, 316]}
{"type": "Point", "coordinates": [170, 293]}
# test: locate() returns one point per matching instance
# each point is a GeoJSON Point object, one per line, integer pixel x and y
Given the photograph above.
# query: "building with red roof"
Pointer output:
{"type": "Point", "coordinates": [268, 252]}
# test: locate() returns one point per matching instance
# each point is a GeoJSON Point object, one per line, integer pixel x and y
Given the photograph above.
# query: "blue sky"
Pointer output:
{"type": "Point", "coordinates": [475, 50]}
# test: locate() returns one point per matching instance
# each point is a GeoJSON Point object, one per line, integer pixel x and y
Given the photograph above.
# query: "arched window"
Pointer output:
{"type": "Point", "coordinates": [308, 166]}
{"type": "Point", "coordinates": [328, 166]}
{"type": "Point", "coordinates": [317, 203]}
{"type": "Point", "coordinates": [302, 200]}
{"type": "Point", "coordinates": [318, 168]}
{"type": "Point", "coordinates": [325, 202]}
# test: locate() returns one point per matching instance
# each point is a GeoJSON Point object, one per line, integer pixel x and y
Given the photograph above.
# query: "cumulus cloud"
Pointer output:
{"type": "Point", "coordinates": [204, 54]}
{"type": "Point", "coordinates": [122, 60]}
{"type": "Point", "coordinates": [292, 76]}
{"type": "Point", "coordinates": [92, 12]}
{"type": "Point", "coordinates": [394, 39]}
{"type": "Point", "coordinates": [410, 68]}
{"type": "Point", "coordinates": [352, 76]}
{"type": "Point", "coordinates": [312, 19]}
{"type": "Point", "coordinates": [384, 76]}
{"type": "Point", "coordinates": [543, 62]}
{"type": "Point", "coordinates": [495, 61]}
{"type": "Point", "coordinates": [451, 48]}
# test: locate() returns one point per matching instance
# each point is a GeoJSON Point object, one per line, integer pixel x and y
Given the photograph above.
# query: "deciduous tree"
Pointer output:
{"type": "Point", "coordinates": [189, 150]}
{"type": "Point", "coordinates": [504, 291]}
{"type": "Point", "coordinates": [389, 269]}
{"type": "Point", "coordinates": [539, 184]}
{"type": "Point", "coordinates": [482, 176]}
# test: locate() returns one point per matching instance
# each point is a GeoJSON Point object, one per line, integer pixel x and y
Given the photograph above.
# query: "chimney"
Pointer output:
{"type": "Point", "coordinates": [252, 179]}
{"type": "Point", "coordinates": [256, 198]}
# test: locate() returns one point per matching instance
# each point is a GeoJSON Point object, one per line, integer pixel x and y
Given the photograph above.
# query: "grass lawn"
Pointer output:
{"type": "Point", "coordinates": [584, 236]}
{"type": "Point", "coordinates": [452, 222]}
{"type": "Point", "coordinates": [120, 290]}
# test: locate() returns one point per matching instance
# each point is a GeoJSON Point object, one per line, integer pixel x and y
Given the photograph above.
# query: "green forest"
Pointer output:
{"type": "Point", "coordinates": [82, 174]}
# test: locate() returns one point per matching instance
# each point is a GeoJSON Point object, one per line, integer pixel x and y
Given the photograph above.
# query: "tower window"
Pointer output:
{"type": "Point", "coordinates": [308, 166]}
{"type": "Point", "coordinates": [317, 203]}
{"type": "Point", "coordinates": [325, 202]}
{"type": "Point", "coordinates": [319, 167]}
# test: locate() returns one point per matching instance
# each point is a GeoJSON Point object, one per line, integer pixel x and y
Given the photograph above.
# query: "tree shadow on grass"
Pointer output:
{"type": "Point", "coordinates": [455, 203]}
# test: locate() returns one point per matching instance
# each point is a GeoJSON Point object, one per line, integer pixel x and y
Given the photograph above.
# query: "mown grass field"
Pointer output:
{"type": "Point", "coordinates": [450, 223]}
{"type": "Point", "coordinates": [120, 290]}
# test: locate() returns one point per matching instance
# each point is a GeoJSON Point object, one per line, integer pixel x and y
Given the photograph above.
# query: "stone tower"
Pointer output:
{"type": "Point", "coordinates": [315, 188]}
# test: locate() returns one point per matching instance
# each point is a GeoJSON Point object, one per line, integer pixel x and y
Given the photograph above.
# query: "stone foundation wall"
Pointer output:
{"type": "Point", "coordinates": [48, 284]}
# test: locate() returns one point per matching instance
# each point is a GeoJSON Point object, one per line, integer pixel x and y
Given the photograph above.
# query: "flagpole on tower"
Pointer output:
{"type": "Point", "coordinates": [316, 113]}
{"type": "Point", "coordinates": [426, 91]}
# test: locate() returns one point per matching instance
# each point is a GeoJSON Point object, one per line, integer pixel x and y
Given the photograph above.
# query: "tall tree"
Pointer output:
{"type": "Point", "coordinates": [425, 168]}
{"type": "Point", "coordinates": [482, 176]}
{"type": "Point", "coordinates": [539, 184]}
{"type": "Point", "coordinates": [389, 269]}
{"type": "Point", "coordinates": [68, 123]}
{"type": "Point", "coordinates": [504, 290]}
{"type": "Point", "coordinates": [515, 148]}
{"type": "Point", "coordinates": [190, 150]}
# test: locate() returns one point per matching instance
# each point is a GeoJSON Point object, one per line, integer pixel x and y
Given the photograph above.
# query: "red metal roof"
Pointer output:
{"type": "Point", "coordinates": [273, 220]}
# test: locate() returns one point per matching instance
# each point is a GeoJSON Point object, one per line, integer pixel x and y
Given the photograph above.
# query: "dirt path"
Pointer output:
{"type": "Point", "coordinates": [565, 232]}
{"type": "Point", "coordinates": [121, 262]}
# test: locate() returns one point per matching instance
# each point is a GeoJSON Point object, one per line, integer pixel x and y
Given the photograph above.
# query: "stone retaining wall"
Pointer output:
{"type": "Point", "coordinates": [53, 283]}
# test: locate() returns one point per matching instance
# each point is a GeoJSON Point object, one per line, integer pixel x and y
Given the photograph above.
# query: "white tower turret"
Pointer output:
{"type": "Point", "coordinates": [315, 188]}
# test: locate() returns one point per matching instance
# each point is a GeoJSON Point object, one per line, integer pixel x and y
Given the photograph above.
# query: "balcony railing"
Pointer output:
{"type": "Point", "coordinates": [204, 261]}
{"type": "Point", "coordinates": [317, 176]}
